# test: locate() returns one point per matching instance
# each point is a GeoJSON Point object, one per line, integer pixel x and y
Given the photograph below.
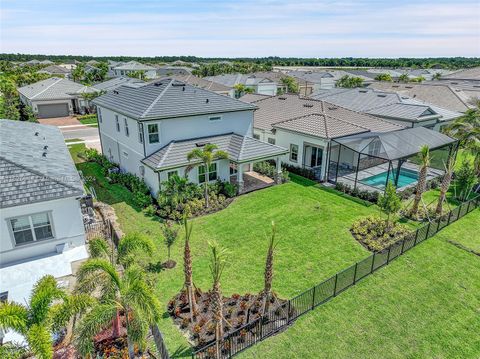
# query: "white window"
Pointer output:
{"type": "Point", "coordinates": [256, 136]}
{"type": "Point", "coordinates": [31, 228]}
{"type": "Point", "coordinates": [211, 174]}
{"type": "Point", "coordinates": [99, 114]}
{"type": "Point", "coordinates": [293, 152]}
{"type": "Point", "coordinates": [215, 118]}
{"type": "Point", "coordinates": [140, 132]}
{"type": "Point", "coordinates": [117, 123]}
{"type": "Point", "coordinates": [153, 136]}
{"type": "Point", "coordinates": [127, 132]}
{"type": "Point", "coordinates": [271, 141]}
{"type": "Point", "coordinates": [170, 174]}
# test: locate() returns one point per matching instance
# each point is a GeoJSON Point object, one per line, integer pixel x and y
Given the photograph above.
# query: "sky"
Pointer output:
{"type": "Point", "coordinates": [242, 28]}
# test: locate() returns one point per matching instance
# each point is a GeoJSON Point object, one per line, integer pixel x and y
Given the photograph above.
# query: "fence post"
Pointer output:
{"type": "Point", "coordinates": [355, 273]}
{"type": "Point", "coordinates": [416, 237]}
{"type": "Point", "coordinates": [373, 262]}
{"type": "Point", "coordinates": [468, 207]}
{"type": "Point", "coordinates": [403, 245]}
{"type": "Point", "coordinates": [388, 255]}
{"type": "Point", "coordinates": [449, 218]}
{"type": "Point", "coordinates": [459, 210]}
{"type": "Point", "coordinates": [335, 287]}
{"type": "Point", "coordinates": [428, 230]}
{"type": "Point", "coordinates": [288, 312]}
{"type": "Point", "coordinates": [313, 297]}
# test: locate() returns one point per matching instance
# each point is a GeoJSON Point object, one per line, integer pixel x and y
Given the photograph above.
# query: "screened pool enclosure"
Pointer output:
{"type": "Point", "coordinates": [368, 161]}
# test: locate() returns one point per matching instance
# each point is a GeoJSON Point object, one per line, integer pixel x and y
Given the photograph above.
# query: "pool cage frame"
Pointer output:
{"type": "Point", "coordinates": [365, 163]}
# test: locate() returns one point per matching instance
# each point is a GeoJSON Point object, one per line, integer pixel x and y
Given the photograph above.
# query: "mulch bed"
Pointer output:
{"type": "Point", "coordinates": [238, 310]}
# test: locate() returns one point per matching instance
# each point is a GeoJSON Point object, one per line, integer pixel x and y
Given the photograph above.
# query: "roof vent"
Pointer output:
{"type": "Point", "coordinates": [307, 105]}
{"type": "Point", "coordinates": [207, 101]}
{"type": "Point", "coordinates": [178, 83]}
{"type": "Point", "coordinates": [333, 108]}
{"type": "Point", "coordinates": [44, 154]}
{"type": "Point", "coordinates": [201, 144]}
{"type": "Point", "coordinates": [115, 92]}
{"type": "Point", "coordinates": [409, 87]}
{"type": "Point", "coordinates": [45, 147]}
{"type": "Point", "coordinates": [282, 98]}
{"type": "Point", "coordinates": [157, 84]}
{"type": "Point", "coordinates": [395, 86]}
{"type": "Point", "coordinates": [382, 95]}
{"type": "Point", "coordinates": [363, 91]}
{"type": "Point", "coordinates": [183, 88]}
{"type": "Point", "coordinates": [36, 133]}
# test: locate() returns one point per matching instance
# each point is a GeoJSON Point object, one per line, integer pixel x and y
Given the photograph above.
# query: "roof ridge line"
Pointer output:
{"type": "Point", "coordinates": [157, 99]}
{"type": "Point", "coordinates": [45, 89]}
{"type": "Point", "coordinates": [345, 121]}
{"type": "Point", "coordinates": [38, 173]}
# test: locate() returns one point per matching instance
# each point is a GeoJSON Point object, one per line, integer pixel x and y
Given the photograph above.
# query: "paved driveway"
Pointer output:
{"type": "Point", "coordinates": [60, 121]}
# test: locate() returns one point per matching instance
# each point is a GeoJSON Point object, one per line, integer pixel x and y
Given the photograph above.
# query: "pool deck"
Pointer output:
{"type": "Point", "coordinates": [350, 178]}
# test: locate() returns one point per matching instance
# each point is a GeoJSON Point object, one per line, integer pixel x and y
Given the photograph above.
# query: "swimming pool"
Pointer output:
{"type": "Point", "coordinates": [405, 178]}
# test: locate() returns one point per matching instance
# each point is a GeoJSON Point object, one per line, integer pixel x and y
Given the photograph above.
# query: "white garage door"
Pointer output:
{"type": "Point", "coordinates": [53, 110]}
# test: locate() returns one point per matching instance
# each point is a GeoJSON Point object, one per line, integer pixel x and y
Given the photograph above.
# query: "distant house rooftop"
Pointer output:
{"type": "Point", "coordinates": [116, 82]}
{"type": "Point", "coordinates": [35, 165]}
{"type": "Point", "coordinates": [54, 88]}
{"type": "Point", "coordinates": [167, 98]}
{"type": "Point", "coordinates": [231, 80]}
{"type": "Point", "coordinates": [202, 83]}
{"type": "Point", "coordinates": [134, 66]}
{"type": "Point", "coordinates": [55, 70]}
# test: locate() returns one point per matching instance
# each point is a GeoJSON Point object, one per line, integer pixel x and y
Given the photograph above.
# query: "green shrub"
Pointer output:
{"type": "Point", "coordinates": [376, 233]}
{"type": "Point", "coordinates": [370, 196]}
{"type": "Point", "coordinates": [150, 210]}
{"type": "Point", "coordinates": [265, 168]}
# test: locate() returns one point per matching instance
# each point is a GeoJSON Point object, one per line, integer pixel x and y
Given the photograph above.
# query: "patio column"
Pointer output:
{"type": "Point", "coordinates": [278, 177]}
{"type": "Point", "coordinates": [240, 178]}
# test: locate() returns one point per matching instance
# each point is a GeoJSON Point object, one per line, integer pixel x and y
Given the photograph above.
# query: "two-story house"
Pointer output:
{"type": "Point", "coordinates": [148, 131]}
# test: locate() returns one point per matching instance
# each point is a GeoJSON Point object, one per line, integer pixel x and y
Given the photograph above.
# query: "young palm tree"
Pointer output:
{"type": "Point", "coordinates": [449, 167]}
{"type": "Point", "coordinates": [217, 265]}
{"type": "Point", "coordinates": [206, 156]}
{"type": "Point", "coordinates": [187, 270]}
{"type": "Point", "coordinates": [268, 275]}
{"type": "Point", "coordinates": [119, 291]}
{"type": "Point", "coordinates": [49, 310]}
{"type": "Point", "coordinates": [422, 179]}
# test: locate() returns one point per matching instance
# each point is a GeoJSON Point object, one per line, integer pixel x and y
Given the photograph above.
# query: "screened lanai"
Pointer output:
{"type": "Point", "coordinates": [368, 161]}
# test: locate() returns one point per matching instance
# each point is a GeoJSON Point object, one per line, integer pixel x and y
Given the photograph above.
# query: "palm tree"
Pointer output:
{"type": "Point", "coordinates": [206, 156]}
{"type": "Point", "coordinates": [187, 270]}
{"type": "Point", "coordinates": [467, 130]}
{"type": "Point", "coordinates": [268, 275]}
{"type": "Point", "coordinates": [119, 291]}
{"type": "Point", "coordinates": [49, 310]}
{"type": "Point", "coordinates": [422, 179]}
{"type": "Point", "coordinates": [217, 265]}
{"type": "Point", "coordinates": [403, 78]}
{"type": "Point", "coordinates": [449, 167]}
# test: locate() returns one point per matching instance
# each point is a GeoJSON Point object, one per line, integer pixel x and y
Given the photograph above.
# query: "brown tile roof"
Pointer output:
{"type": "Point", "coordinates": [273, 110]}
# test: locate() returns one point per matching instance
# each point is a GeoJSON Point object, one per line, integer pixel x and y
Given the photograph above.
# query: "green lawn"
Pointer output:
{"type": "Point", "coordinates": [423, 305]}
{"type": "Point", "coordinates": [88, 120]}
{"type": "Point", "coordinates": [76, 151]}
{"type": "Point", "coordinates": [314, 243]}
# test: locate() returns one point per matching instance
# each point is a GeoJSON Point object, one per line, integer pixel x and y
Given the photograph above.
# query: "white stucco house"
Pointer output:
{"type": "Point", "coordinates": [55, 97]}
{"type": "Point", "coordinates": [149, 130]}
{"type": "Point", "coordinates": [130, 67]}
{"type": "Point", "coordinates": [41, 224]}
{"type": "Point", "coordinates": [259, 84]}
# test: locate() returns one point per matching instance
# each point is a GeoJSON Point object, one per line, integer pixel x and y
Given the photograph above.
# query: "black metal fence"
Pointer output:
{"type": "Point", "coordinates": [274, 321]}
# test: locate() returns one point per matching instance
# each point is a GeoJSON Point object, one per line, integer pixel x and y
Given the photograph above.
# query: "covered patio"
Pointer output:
{"type": "Point", "coordinates": [369, 161]}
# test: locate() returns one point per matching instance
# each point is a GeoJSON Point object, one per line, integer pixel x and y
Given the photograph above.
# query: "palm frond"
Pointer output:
{"type": "Point", "coordinates": [13, 316]}
{"type": "Point", "coordinates": [44, 293]}
{"type": "Point", "coordinates": [96, 266]}
{"type": "Point", "coordinates": [218, 260]}
{"type": "Point", "coordinates": [220, 155]}
{"type": "Point", "coordinates": [196, 153]}
{"type": "Point", "coordinates": [40, 341]}
{"type": "Point", "coordinates": [137, 330]}
{"type": "Point", "coordinates": [91, 324]}
{"type": "Point", "coordinates": [209, 147]}
{"type": "Point", "coordinates": [132, 243]}
{"type": "Point", "coordinates": [99, 248]}
{"type": "Point", "coordinates": [61, 313]}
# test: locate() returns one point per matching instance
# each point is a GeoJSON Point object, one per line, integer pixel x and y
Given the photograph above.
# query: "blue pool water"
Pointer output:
{"type": "Point", "coordinates": [405, 178]}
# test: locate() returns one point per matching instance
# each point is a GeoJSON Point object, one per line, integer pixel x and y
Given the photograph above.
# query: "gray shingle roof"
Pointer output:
{"type": "Point", "coordinates": [252, 97]}
{"type": "Point", "coordinates": [285, 107]}
{"type": "Point", "coordinates": [310, 76]}
{"type": "Point", "coordinates": [466, 74]}
{"type": "Point", "coordinates": [201, 82]}
{"type": "Point", "coordinates": [26, 174]}
{"type": "Point", "coordinates": [134, 66]}
{"type": "Point", "coordinates": [116, 82]}
{"type": "Point", "coordinates": [55, 69]}
{"type": "Point", "coordinates": [412, 112]}
{"type": "Point", "coordinates": [54, 88]}
{"type": "Point", "coordinates": [239, 149]}
{"type": "Point", "coordinates": [231, 80]}
{"type": "Point", "coordinates": [321, 125]}
{"type": "Point", "coordinates": [168, 98]}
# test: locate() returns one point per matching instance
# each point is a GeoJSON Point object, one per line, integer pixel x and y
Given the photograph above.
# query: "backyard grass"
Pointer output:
{"type": "Point", "coordinates": [76, 151]}
{"type": "Point", "coordinates": [314, 243]}
{"type": "Point", "coordinates": [90, 120]}
{"type": "Point", "coordinates": [423, 305]}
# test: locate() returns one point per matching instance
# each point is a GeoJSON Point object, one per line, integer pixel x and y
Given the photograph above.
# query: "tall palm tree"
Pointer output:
{"type": "Point", "coordinates": [119, 291]}
{"type": "Point", "coordinates": [268, 274]}
{"type": "Point", "coordinates": [217, 265]}
{"type": "Point", "coordinates": [187, 270]}
{"type": "Point", "coordinates": [449, 167]}
{"type": "Point", "coordinates": [206, 156]}
{"type": "Point", "coordinates": [422, 179]}
{"type": "Point", "coordinates": [49, 310]}
{"type": "Point", "coordinates": [467, 130]}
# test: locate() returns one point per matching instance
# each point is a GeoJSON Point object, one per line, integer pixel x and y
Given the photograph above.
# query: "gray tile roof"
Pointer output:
{"type": "Point", "coordinates": [26, 174]}
{"type": "Point", "coordinates": [466, 74]}
{"type": "Point", "coordinates": [231, 80]}
{"type": "Point", "coordinates": [116, 82]}
{"type": "Point", "coordinates": [286, 107]}
{"type": "Point", "coordinates": [252, 97]}
{"type": "Point", "coordinates": [202, 83]}
{"type": "Point", "coordinates": [55, 70]}
{"type": "Point", "coordinates": [412, 112]}
{"type": "Point", "coordinates": [134, 66]}
{"type": "Point", "coordinates": [168, 98]}
{"type": "Point", "coordinates": [310, 76]}
{"type": "Point", "coordinates": [54, 88]}
{"type": "Point", "coordinates": [320, 125]}
{"type": "Point", "coordinates": [447, 115]}
{"type": "Point", "coordinates": [239, 149]}
{"type": "Point", "coordinates": [439, 95]}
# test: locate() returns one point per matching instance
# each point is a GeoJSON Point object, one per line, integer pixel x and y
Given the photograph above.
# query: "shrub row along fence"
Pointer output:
{"type": "Point", "coordinates": [274, 321]}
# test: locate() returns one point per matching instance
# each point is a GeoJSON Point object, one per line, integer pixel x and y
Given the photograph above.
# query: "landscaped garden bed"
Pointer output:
{"type": "Point", "coordinates": [376, 233]}
{"type": "Point", "coordinates": [238, 310]}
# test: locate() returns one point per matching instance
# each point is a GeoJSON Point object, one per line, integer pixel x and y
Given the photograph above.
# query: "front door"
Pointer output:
{"type": "Point", "coordinates": [316, 157]}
